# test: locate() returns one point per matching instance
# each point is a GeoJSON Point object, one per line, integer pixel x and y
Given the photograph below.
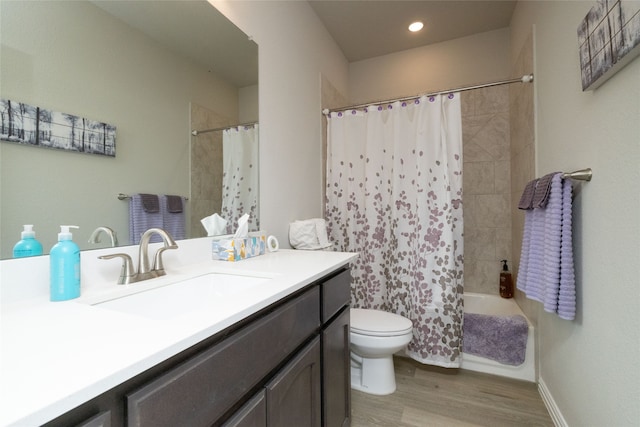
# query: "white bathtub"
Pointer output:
{"type": "Point", "coordinates": [494, 305]}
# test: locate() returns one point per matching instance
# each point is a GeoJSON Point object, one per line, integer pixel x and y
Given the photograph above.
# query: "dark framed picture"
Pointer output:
{"type": "Point", "coordinates": [25, 124]}
{"type": "Point", "coordinates": [609, 38]}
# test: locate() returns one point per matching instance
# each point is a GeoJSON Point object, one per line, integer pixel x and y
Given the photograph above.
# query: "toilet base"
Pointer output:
{"type": "Point", "coordinates": [379, 375]}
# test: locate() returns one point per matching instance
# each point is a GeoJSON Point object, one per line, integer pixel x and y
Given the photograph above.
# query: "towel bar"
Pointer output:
{"type": "Point", "coordinates": [122, 196]}
{"type": "Point", "coordinates": [581, 175]}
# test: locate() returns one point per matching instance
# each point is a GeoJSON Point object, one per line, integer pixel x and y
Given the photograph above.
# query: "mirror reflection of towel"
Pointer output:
{"type": "Point", "coordinates": [173, 218]}
{"type": "Point", "coordinates": [141, 219]}
{"type": "Point", "coordinates": [174, 204]}
{"type": "Point", "coordinates": [150, 203]}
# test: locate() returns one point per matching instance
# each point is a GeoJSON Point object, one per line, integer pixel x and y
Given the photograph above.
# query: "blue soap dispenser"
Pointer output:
{"type": "Point", "coordinates": [28, 245]}
{"type": "Point", "coordinates": [65, 267]}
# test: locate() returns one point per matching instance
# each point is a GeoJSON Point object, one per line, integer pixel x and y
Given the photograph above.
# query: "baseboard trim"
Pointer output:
{"type": "Point", "coordinates": [554, 411]}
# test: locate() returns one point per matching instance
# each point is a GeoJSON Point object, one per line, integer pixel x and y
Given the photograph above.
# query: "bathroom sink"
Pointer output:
{"type": "Point", "coordinates": [179, 298]}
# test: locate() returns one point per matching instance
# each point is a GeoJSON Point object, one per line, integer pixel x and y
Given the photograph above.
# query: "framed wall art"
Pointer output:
{"type": "Point", "coordinates": [609, 38]}
{"type": "Point", "coordinates": [25, 124]}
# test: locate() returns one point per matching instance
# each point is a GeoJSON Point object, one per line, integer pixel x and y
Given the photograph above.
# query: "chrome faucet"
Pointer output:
{"type": "Point", "coordinates": [128, 274]}
{"type": "Point", "coordinates": [95, 236]}
{"type": "Point", "coordinates": [143, 257]}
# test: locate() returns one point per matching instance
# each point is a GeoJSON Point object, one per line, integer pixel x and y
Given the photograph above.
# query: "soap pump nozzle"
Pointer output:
{"type": "Point", "coordinates": [64, 233]}
{"type": "Point", "coordinates": [504, 265]}
{"type": "Point", "coordinates": [28, 232]}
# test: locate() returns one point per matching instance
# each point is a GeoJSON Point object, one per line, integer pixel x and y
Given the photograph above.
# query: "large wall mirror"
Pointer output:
{"type": "Point", "coordinates": [156, 70]}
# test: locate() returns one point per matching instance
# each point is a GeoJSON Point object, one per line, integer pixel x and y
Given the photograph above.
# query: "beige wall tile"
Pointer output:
{"type": "Point", "coordinates": [487, 187]}
{"type": "Point", "coordinates": [502, 176]}
{"type": "Point", "coordinates": [492, 100]}
{"type": "Point", "coordinates": [480, 243]}
{"type": "Point", "coordinates": [206, 167]}
{"type": "Point", "coordinates": [479, 178]}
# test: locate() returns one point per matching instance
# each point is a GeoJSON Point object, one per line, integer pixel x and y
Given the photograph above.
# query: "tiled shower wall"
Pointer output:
{"type": "Point", "coordinates": [206, 167]}
{"type": "Point", "coordinates": [486, 186]}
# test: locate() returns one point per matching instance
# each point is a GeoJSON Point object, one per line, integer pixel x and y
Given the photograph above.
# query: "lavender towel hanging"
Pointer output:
{"type": "Point", "coordinates": [173, 217]}
{"type": "Point", "coordinates": [174, 204]}
{"type": "Point", "coordinates": [543, 191]}
{"type": "Point", "coordinates": [140, 220]}
{"type": "Point", "coordinates": [150, 203]}
{"type": "Point", "coordinates": [546, 272]}
{"type": "Point", "coordinates": [526, 200]}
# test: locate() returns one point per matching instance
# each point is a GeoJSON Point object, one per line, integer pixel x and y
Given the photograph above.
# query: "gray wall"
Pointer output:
{"type": "Point", "coordinates": [587, 365]}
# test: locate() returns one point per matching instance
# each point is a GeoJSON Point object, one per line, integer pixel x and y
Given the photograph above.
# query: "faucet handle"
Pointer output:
{"type": "Point", "coordinates": [127, 274]}
{"type": "Point", "coordinates": [158, 267]}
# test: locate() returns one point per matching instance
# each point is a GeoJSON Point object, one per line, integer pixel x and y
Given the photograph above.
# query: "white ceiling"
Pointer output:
{"type": "Point", "coordinates": [196, 30]}
{"type": "Point", "coordinates": [361, 28]}
{"type": "Point", "coordinates": [369, 28]}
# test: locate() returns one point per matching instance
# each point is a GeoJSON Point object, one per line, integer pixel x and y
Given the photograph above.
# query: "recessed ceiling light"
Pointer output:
{"type": "Point", "coordinates": [416, 26]}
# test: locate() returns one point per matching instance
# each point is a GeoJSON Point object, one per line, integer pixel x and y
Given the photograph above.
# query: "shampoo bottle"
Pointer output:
{"type": "Point", "coordinates": [65, 267]}
{"type": "Point", "coordinates": [28, 245]}
{"type": "Point", "coordinates": [506, 281]}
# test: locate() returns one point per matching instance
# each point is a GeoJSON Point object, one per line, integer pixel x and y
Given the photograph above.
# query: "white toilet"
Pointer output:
{"type": "Point", "coordinates": [375, 336]}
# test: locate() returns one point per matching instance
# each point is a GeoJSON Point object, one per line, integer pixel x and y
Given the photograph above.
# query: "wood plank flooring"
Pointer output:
{"type": "Point", "coordinates": [428, 396]}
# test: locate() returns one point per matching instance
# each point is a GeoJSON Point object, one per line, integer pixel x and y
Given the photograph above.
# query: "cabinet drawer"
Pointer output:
{"type": "Point", "coordinates": [203, 388]}
{"type": "Point", "coordinates": [336, 293]}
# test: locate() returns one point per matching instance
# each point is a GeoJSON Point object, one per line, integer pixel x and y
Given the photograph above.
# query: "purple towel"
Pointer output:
{"type": "Point", "coordinates": [546, 272]}
{"type": "Point", "coordinates": [174, 204]}
{"type": "Point", "coordinates": [150, 203]}
{"type": "Point", "coordinates": [140, 220]}
{"type": "Point", "coordinates": [173, 222]}
{"type": "Point", "coordinates": [543, 191]}
{"type": "Point", "coordinates": [500, 338]}
{"type": "Point", "coordinates": [567, 293]}
{"type": "Point", "coordinates": [526, 200]}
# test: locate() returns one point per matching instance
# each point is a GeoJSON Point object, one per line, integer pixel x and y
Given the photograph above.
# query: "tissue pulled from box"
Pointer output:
{"type": "Point", "coordinates": [243, 227]}
{"type": "Point", "coordinates": [215, 225]}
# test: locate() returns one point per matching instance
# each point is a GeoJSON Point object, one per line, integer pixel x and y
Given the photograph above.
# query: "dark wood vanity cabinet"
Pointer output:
{"type": "Point", "coordinates": [336, 378]}
{"type": "Point", "coordinates": [287, 365]}
{"type": "Point", "coordinates": [336, 353]}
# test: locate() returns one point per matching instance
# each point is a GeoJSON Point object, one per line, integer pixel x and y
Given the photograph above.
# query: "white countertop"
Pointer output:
{"type": "Point", "coordinates": [56, 356]}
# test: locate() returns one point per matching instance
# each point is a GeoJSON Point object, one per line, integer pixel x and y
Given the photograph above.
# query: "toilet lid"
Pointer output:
{"type": "Point", "coordinates": [378, 323]}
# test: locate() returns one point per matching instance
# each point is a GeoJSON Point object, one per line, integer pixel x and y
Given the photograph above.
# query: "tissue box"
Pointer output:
{"type": "Point", "coordinates": [232, 249]}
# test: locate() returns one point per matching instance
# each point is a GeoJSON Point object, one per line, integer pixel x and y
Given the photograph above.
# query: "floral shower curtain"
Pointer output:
{"type": "Point", "coordinates": [240, 176]}
{"type": "Point", "coordinates": [394, 194]}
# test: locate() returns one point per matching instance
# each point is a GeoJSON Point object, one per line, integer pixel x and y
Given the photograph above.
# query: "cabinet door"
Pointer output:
{"type": "Point", "coordinates": [103, 419]}
{"type": "Point", "coordinates": [203, 388]}
{"type": "Point", "coordinates": [252, 414]}
{"type": "Point", "coordinates": [336, 372]}
{"type": "Point", "coordinates": [293, 395]}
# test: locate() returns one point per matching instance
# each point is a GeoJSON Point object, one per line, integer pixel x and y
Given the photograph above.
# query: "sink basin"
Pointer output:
{"type": "Point", "coordinates": [195, 294]}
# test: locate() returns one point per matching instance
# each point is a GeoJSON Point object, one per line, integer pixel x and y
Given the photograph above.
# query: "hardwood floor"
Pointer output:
{"type": "Point", "coordinates": [429, 396]}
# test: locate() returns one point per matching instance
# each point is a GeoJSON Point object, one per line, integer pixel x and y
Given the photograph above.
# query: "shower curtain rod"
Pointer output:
{"type": "Point", "coordinates": [527, 78]}
{"type": "Point", "coordinates": [198, 132]}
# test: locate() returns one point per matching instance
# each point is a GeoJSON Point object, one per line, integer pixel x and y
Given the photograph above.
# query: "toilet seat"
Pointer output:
{"type": "Point", "coordinates": [379, 323]}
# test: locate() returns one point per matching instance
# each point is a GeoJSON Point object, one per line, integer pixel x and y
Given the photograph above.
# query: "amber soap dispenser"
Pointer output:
{"type": "Point", "coordinates": [506, 281]}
